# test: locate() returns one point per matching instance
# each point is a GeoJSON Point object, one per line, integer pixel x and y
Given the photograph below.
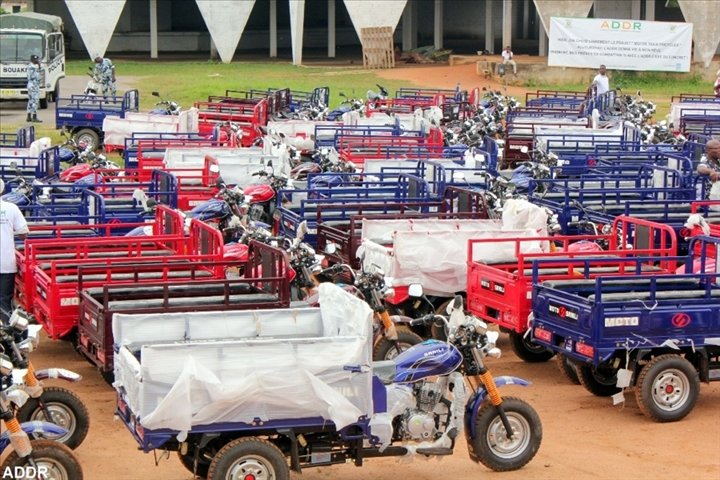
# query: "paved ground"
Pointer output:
{"type": "Point", "coordinates": [12, 113]}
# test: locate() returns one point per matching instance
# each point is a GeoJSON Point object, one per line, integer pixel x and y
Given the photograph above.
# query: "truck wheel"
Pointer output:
{"type": "Point", "coordinates": [568, 368]}
{"type": "Point", "coordinates": [54, 458]}
{"type": "Point", "coordinates": [56, 92]}
{"type": "Point", "coordinates": [493, 448]}
{"type": "Point", "coordinates": [87, 136]}
{"type": "Point", "coordinates": [528, 351]}
{"type": "Point", "coordinates": [66, 410]}
{"type": "Point", "coordinates": [249, 458]}
{"type": "Point", "coordinates": [667, 388]}
{"type": "Point", "coordinates": [385, 349]}
{"type": "Point", "coordinates": [43, 102]}
{"type": "Point", "coordinates": [188, 461]}
{"type": "Point", "coordinates": [600, 382]}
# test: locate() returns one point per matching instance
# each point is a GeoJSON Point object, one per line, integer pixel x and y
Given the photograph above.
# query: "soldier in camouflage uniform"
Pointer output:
{"type": "Point", "coordinates": [105, 71]}
{"type": "Point", "coordinates": [33, 87]}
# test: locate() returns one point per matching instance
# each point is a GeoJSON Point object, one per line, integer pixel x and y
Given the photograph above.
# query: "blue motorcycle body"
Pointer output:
{"type": "Point", "coordinates": [17, 198]}
{"type": "Point", "coordinates": [521, 178]}
{"type": "Point", "coordinates": [338, 112]}
{"type": "Point", "coordinates": [33, 429]}
{"type": "Point", "coordinates": [211, 210]}
{"type": "Point", "coordinates": [65, 154]}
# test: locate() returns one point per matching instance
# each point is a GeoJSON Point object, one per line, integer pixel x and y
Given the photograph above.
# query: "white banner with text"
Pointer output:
{"type": "Point", "coordinates": [620, 44]}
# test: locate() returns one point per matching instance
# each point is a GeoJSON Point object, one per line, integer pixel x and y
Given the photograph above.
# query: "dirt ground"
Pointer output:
{"type": "Point", "coordinates": [583, 435]}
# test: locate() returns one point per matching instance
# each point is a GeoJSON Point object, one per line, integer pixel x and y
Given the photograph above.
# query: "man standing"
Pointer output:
{"type": "Point", "coordinates": [12, 223]}
{"type": "Point", "coordinates": [601, 82]}
{"type": "Point", "coordinates": [710, 163]}
{"type": "Point", "coordinates": [507, 56]}
{"type": "Point", "coordinates": [33, 88]}
{"type": "Point", "coordinates": [105, 71]}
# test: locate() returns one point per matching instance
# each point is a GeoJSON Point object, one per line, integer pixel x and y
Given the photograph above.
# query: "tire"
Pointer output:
{"type": "Point", "coordinates": [527, 351]}
{"type": "Point", "coordinates": [56, 92]}
{"type": "Point", "coordinates": [188, 461]}
{"type": "Point", "coordinates": [656, 379]}
{"type": "Point", "coordinates": [598, 382]}
{"type": "Point", "coordinates": [249, 457]}
{"type": "Point", "coordinates": [56, 457]}
{"type": "Point", "coordinates": [67, 410]}
{"type": "Point", "coordinates": [86, 136]}
{"type": "Point", "coordinates": [385, 349]}
{"type": "Point", "coordinates": [492, 448]}
{"type": "Point", "coordinates": [43, 102]}
{"type": "Point", "coordinates": [568, 368]}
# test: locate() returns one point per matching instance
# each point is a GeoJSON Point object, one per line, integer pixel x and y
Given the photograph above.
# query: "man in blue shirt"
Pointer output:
{"type": "Point", "coordinates": [33, 88]}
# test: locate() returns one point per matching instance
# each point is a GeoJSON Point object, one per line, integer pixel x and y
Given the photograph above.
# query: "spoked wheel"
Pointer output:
{"type": "Point", "coordinates": [667, 388]}
{"type": "Point", "coordinates": [53, 461]}
{"type": "Point", "coordinates": [568, 368]}
{"type": "Point", "coordinates": [528, 351]}
{"type": "Point", "coordinates": [66, 410]}
{"type": "Point", "coordinates": [386, 350]}
{"type": "Point", "coordinates": [598, 381]}
{"type": "Point", "coordinates": [249, 459]}
{"type": "Point", "coordinates": [491, 445]}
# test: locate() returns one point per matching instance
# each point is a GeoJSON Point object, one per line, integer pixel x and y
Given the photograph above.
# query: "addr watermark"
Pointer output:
{"type": "Point", "coordinates": [27, 471]}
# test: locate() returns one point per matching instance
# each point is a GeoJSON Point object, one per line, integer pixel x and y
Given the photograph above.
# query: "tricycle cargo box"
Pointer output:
{"type": "Point", "coordinates": [247, 366]}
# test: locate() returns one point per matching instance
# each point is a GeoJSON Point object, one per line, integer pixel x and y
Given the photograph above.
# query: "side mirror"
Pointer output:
{"type": "Point", "coordinates": [220, 183]}
{"type": "Point", "coordinates": [457, 303]}
{"type": "Point", "coordinates": [330, 248]}
{"type": "Point", "coordinates": [524, 149]}
{"type": "Point", "coordinates": [301, 230]}
{"type": "Point", "coordinates": [415, 290]}
{"type": "Point", "coordinates": [214, 168]}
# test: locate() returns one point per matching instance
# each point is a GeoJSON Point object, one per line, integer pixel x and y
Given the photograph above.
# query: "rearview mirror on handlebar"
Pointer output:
{"type": "Point", "coordinates": [415, 290]}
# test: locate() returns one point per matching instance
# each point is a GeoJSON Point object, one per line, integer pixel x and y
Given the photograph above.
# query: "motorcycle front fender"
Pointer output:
{"type": "Point", "coordinates": [32, 429]}
{"type": "Point", "coordinates": [60, 373]}
{"type": "Point", "coordinates": [476, 399]}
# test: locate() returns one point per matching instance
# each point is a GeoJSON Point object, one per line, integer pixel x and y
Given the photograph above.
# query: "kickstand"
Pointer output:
{"type": "Point", "coordinates": [165, 454]}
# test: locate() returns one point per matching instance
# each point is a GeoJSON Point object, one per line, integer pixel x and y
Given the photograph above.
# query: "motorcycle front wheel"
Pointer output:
{"type": "Point", "coordinates": [493, 448]}
{"type": "Point", "coordinates": [52, 460]}
{"type": "Point", "coordinates": [66, 410]}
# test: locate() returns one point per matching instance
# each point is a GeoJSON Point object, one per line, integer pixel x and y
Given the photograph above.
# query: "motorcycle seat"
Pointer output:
{"type": "Point", "coordinates": [385, 371]}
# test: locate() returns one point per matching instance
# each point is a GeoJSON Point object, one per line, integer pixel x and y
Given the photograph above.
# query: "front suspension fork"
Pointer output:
{"type": "Point", "coordinates": [487, 380]}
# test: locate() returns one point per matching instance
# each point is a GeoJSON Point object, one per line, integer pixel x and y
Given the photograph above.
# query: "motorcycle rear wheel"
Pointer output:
{"type": "Point", "coordinates": [492, 448]}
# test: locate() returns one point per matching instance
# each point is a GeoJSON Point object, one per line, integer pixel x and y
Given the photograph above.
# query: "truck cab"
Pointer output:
{"type": "Point", "coordinates": [25, 34]}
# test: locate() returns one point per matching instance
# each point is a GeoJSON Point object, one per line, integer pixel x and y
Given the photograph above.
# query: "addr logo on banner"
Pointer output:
{"type": "Point", "coordinates": [616, 25]}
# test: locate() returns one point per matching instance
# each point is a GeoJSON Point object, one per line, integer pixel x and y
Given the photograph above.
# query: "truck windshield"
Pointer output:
{"type": "Point", "coordinates": [17, 47]}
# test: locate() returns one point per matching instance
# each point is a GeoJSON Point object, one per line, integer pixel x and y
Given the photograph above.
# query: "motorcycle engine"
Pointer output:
{"type": "Point", "coordinates": [421, 424]}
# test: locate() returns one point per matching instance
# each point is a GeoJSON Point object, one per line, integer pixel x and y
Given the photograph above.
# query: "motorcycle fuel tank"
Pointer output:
{"type": "Point", "coordinates": [427, 359]}
{"type": "Point", "coordinates": [259, 193]}
{"type": "Point", "coordinates": [71, 174]}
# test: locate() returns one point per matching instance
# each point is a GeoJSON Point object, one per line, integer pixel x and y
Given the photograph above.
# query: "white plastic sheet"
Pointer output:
{"type": "Point", "coordinates": [677, 110]}
{"type": "Point", "coordinates": [435, 255]}
{"type": "Point", "coordinates": [382, 230]}
{"type": "Point", "coordinates": [185, 382]}
{"type": "Point", "coordinates": [117, 129]}
{"type": "Point", "coordinates": [236, 164]}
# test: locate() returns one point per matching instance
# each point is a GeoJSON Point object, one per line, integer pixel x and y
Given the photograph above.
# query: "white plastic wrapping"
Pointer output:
{"type": "Point", "coordinates": [293, 128]}
{"type": "Point", "coordinates": [382, 230]}
{"type": "Point", "coordinates": [438, 260]}
{"type": "Point", "coordinates": [575, 137]}
{"type": "Point", "coordinates": [433, 252]}
{"type": "Point", "coordinates": [117, 129]}
{"type": "Point", "coordinates": [677, 110]}
{"type": "Point", "coordinates": [184, 382]}
{"type": "Point", "coordinates": [236, 164]}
